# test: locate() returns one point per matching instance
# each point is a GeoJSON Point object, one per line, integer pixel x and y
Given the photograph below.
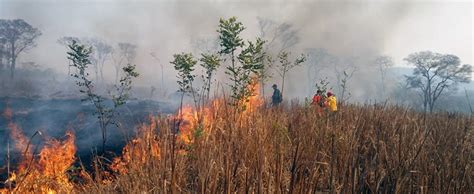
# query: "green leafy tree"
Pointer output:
{"type": "Point", "coordinates": [210, 63]}
{"type": "Point", "coordinates": [79, 55]}
{"type": "Point", "coordinates": [229, 39]}
{"type": "Point", "coordinates": [184, 63]}
{"type": "Point", "coordinates": [250, 58]}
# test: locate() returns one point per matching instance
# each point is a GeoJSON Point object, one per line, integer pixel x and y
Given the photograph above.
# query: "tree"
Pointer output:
{"type": "Point", "coordinates": [278, 37]}
{"type": "Point", "coordinates": [66, 41]}
{"type": "Point", "coordinates": [251, 59]}
{"type": "Point", "coordinates": [210, 63]}
{"type": "Point", "coordinates": [435, 74]}
{"type": "Point", "coordinates": [124, 54]}
{"type": "Point", "coordinates": [79, 55]}
{"type": "Point", "coordinates": [344, 69]}
{"type": "Point", "coordinates": [100, 54]}
{"type": "Point", "coordinates": [229, 40]}
{"type": "Point", "coordinates": [286, 65]}
{"type": "Point", "coordinates": [383, 63]}
{"type": "Point", "coordinates": [3, 54]}
{"type": "Point", "coordinates": [184, 63]}
{"type": "Point", "coordinates": [19, 37]}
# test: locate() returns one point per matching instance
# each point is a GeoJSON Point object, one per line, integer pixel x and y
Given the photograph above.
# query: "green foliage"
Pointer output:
{"type": "Point", "coordinates": [250, 58]}
{"type": "Point", "coordinates": [124, 86]}
{"type": "Point", "coordinates": [229, 38]}
{"type": "Point", "coordinates": [79, 55]}
{"type": "Point", "coordinates": [210, 62]}
{"type": "Point", "coordinates": [184, 63]}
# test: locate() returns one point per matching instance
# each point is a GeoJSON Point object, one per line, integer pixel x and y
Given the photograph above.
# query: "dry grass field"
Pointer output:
{"type": "Point", "coordinates": [295, 149]}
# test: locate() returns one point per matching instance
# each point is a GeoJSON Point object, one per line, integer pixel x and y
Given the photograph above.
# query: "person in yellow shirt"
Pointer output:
{"type": "Point", "coordinates": [331, 102]}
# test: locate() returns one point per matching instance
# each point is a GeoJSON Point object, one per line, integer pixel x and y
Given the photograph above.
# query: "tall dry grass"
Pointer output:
{"type": "Point", "coordinates": [297, 149]}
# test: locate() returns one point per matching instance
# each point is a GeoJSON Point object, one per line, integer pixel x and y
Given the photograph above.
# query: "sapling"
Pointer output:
{"type": "Point", "coordinates": [79, 55]}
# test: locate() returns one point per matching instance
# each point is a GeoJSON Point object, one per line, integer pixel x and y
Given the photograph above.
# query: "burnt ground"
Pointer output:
{"type": "Point", "coordinates": [53, 117]}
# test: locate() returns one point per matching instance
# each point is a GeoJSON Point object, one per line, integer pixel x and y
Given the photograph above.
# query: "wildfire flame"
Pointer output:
{"type": "Point", "coordinates": [255, 100]}
{"type": "Point", "coordinates": [140, 150]}
{"type": "Point", "coordinates": [48, 172]}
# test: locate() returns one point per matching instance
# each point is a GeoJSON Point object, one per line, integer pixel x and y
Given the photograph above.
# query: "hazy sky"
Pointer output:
{"type": "Point", "coordinates": [395, 28]}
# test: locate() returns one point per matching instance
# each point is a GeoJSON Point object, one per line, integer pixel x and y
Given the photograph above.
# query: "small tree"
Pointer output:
{"type": "Point", "coordinates": [102, 52]}
{"type": "Point", "coordinates": [383, 63]}
{"type": "Point", "coordinates": [344, 78]}
{"type": "Point", "coordinates": [229, 40]}
{"type": "Point", "coordinates": [251, 59]}
{"type": "Point", "coordinates": [434, 74]}
{"type": "Point", "coordinates": [3, 54]}
{"type": "Point", "coordinates": [80, 61]}
{"type": "Point", "coordinates": [278, 37]}
{"type": "Point", "coordinates": [210, 63]}
{"type": "Point", "coordinates": [19, 37]}
{"type": "Point", "coordinates": [124, 54]}
{"type": "Point", "coordinates": [286, 65]}
{"type": "Point", "coordinates": [66, 41]}
{"type": "Point", "coordinates": [344, 69]}
{"type": "Point", "coordinates": [184, 63]}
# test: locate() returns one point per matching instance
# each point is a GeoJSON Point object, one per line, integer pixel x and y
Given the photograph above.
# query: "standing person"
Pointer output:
{"type": "Point", "coordinates": [318, 102]}
{"type": "Point", "coordinates": [318, 99]}
{"type": "Point", "coordinates": [331, 102]}
{"type": "Point", "coordinates": [276, 97]}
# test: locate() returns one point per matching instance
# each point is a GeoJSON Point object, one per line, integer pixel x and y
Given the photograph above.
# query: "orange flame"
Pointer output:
{"type": "Point", "coordinates": [255, 100]}
{"type": "Point", "coordinates": [48, 173]}
{"type": "Point", "coordinates": [187, 124]}
{"type": "Point", "coordinates": [140, 150]}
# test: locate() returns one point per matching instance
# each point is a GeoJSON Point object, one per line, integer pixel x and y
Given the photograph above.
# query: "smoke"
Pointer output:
{"type": "Point", "coordinates": [356, 30]}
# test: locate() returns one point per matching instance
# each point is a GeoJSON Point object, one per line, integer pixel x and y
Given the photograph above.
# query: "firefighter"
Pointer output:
{"type": "Point", "coordinates": [318, 99]}
{"type": "Point", "coordinates": [276, 97]}
{"type": "Point", "coordinates": [331, 102]}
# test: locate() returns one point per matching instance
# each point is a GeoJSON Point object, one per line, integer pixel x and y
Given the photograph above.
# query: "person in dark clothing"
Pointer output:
{"type": "Point", "coordinates": [276, 97]}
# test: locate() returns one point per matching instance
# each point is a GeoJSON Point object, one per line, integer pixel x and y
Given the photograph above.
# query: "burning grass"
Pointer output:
{"type": "Point", "coordinates": [294, 149]}
{"type": "Point", "coordinates": [46, 171]}
{"type": "Point", "coordinates": [297, 150]}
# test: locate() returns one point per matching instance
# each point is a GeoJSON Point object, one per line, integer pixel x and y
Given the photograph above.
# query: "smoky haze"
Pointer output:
{"type": "Point", "coordinates": [359, 30]}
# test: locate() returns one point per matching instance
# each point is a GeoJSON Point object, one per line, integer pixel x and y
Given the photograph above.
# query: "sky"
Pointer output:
{"type": "Point", "coordinates": [364, 28]}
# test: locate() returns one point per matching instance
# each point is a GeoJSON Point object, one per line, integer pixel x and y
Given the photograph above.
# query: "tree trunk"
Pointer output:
{"type": "Point", "coordinates": [13, 60]}
{"type": "Point", "coordinates": [2, 65]}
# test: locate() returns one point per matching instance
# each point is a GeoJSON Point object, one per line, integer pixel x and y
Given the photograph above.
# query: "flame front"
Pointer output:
{"type": "Point", "coordinates": [255, 100]}
{"type": "Point", "coordinates": [143, 148]}
{"type": "Point", "coordinates": [46, 174]}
